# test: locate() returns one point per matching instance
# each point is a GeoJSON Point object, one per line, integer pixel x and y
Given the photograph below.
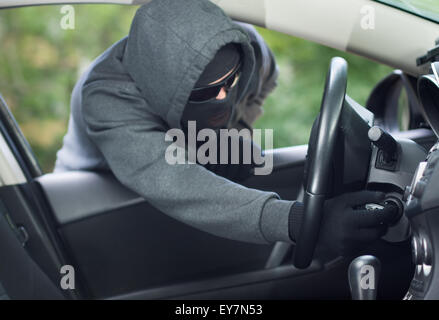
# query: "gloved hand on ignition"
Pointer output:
{"type": "Point", "coordinates": [347, 226]}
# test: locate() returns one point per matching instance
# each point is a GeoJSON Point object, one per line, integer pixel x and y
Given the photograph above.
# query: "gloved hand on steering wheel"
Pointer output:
{"type": "Point", "coordinates": [347, 226]}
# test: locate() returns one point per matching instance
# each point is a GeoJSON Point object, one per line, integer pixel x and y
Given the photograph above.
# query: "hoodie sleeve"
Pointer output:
{"type": "Point", "coordinates": [133, 143]}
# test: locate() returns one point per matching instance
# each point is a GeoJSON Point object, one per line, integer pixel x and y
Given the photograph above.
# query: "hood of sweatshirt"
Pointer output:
{"type": "Point", "coordinates": [169, 45]}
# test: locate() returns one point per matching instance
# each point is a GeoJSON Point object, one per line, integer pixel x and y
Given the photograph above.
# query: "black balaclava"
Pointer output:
{"type": "Point", "coordinates": [214, 114]}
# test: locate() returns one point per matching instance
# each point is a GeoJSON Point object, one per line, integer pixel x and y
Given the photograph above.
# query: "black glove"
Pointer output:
{"type": "Point", "coordinates": [347, 226]}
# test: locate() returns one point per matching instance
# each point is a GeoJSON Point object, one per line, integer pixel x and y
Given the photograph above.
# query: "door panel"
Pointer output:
{"type": "Point", "coordinates": [29, 268]}
{"type": "Point", "coordinates": [120, 244]}
{"type": "Point", "coordinates": [138, 247]}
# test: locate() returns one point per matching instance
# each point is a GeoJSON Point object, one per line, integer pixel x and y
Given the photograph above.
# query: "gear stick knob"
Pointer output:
{"type": "Point", "coordinates": [363, 274]}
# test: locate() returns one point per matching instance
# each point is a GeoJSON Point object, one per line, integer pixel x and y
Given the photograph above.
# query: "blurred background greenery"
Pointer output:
{"type": "Point", "coordinates": [40, 63]}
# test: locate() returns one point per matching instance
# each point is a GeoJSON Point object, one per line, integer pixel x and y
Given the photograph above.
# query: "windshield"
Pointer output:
{"type": "Point", "coordinates": [424, 8]}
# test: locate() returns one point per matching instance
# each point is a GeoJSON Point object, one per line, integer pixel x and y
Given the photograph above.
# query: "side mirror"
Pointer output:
{"type": "Point", "coordinates": [395, 103]}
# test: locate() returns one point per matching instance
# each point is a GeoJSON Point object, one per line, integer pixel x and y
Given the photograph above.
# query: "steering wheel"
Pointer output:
{"type": "Point", "coordinates": [320, 152]}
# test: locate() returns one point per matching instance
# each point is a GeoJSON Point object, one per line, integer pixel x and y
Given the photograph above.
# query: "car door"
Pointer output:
{"type": "Point", "coordinates": [119, 246]}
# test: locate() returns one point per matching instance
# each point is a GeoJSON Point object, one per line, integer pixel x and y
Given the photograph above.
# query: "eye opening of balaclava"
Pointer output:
{"type": "Point", "coordinates": [214, 113]}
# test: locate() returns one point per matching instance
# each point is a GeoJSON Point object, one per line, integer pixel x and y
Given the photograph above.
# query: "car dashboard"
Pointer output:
{"type": "Point", "coordinates": [422, 203]}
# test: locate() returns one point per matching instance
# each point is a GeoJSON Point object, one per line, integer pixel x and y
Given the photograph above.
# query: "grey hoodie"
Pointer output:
{"type": "Point", "coordinates": [135, 91]}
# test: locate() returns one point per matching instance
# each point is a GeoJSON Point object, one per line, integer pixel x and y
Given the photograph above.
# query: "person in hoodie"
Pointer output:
{"type": "Point", "coordinates": [152, 81]}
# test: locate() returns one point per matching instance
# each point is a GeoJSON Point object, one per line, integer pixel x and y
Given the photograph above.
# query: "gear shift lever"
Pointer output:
{"type": "Point", "coordinates": [363, 274]}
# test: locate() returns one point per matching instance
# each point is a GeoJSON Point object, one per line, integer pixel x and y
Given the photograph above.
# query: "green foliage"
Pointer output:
{"type": "Point", "coordinates": [303, 65]}
{"type": "Point", "coordinates": [40, 63]}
